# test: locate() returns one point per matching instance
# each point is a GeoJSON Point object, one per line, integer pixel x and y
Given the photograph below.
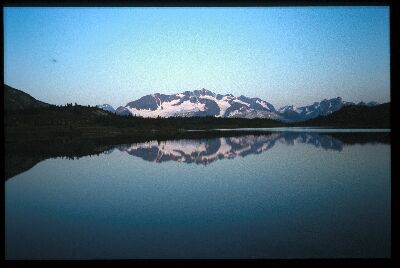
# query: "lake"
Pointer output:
{"type": "Point", "coordinates": [283, 194]}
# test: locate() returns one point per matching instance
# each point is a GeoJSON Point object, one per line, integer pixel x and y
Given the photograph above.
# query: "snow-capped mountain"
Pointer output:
{"type": "Point", "coordinates": [121, 110]}
{"type": "Point", "coordinates": [200, 103]}
{"type": "Point", "coordinates": [207, 103]}
{"type": "Point", "coordinates": [106, 107]}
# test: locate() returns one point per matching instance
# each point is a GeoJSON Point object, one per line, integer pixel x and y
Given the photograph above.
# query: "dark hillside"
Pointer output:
{"type": "Point", "coordinates": [17, 100]}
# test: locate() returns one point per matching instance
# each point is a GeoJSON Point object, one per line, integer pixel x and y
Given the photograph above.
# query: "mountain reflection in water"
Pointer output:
{"type": "Point", "coordinates": [205, 151]}
{"type": "Point", "coordinates": [22, 156]}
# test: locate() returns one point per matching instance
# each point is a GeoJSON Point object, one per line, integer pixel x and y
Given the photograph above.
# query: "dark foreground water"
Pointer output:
{"type": "Point", "coordinates": [281, 195]}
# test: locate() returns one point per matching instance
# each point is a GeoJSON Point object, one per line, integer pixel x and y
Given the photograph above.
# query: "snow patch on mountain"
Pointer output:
{"type": "Point", "coordinates": [241, 102]}
{"type": "Point", "coordinates": [106, 107]}
{"type": "Point", "coordinates": [167, 109]}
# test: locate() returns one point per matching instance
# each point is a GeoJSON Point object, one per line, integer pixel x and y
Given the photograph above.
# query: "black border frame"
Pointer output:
{"type": "Point", "coordinates": [394, 91]}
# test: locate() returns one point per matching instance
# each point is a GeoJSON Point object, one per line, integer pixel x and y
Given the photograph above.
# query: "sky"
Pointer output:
{"type": "Point", "coordinates": [286, 56]}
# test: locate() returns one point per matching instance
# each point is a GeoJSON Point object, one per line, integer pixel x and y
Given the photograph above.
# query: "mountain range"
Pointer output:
{"type": "Point", "coordinates": [210, 110]}
{"type": "Point", "coordinates": [207, 103]}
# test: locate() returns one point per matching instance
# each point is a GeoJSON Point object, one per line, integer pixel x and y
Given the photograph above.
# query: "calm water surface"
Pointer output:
{"type": "Point", "coordinates": [283, 195]}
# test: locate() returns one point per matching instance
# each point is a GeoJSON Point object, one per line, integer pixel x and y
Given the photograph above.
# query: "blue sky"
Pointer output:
{"type": "Point", "coordinates": [116, 55]}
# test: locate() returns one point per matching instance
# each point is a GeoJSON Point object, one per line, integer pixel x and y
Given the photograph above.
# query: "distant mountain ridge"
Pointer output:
{"type": "Point", "coordinates": [377, 116]}
{"type": "Point", "coordinates": [207, 103]}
